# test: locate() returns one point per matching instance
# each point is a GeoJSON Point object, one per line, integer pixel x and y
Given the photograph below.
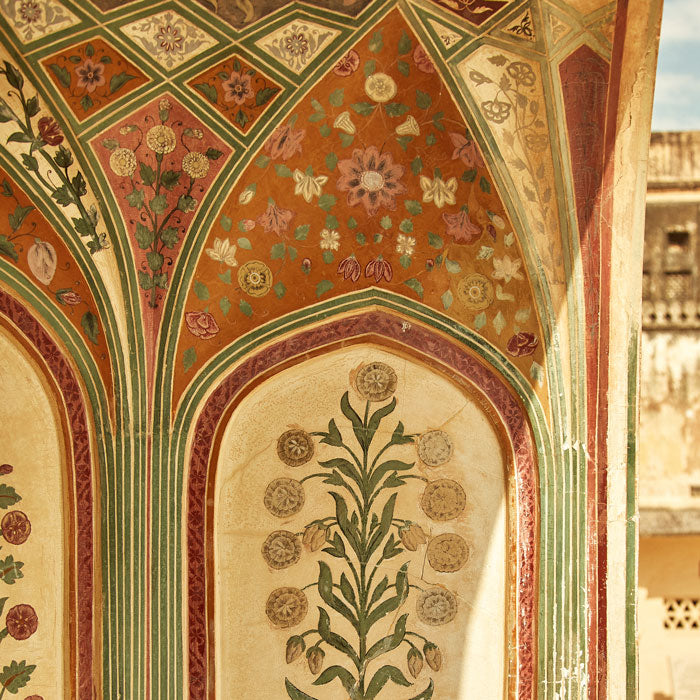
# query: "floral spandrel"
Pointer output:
{"type": "Point", "coordinates": [91, 75]}
{"type": "Point", "coordinates": [238, 90]}
{"type": "Point", "coordinates": [21, 620]}
{"type": "Point", "coordinates": [161, 164]}
{"type": "Point", "coordinates": [363, 530]}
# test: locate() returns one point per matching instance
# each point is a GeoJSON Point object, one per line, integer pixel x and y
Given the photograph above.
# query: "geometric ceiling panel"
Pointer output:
{"type": "Point", "coordinates": [32, 19]}
{"type": "Point", "coordinates": [521, 26]}
{"type": "Point", "coordinates": [92, 75]}
{"type": "Point", "coordinates": [474, 11]}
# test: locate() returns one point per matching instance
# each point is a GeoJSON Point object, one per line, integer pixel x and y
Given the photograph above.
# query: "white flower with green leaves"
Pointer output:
{"type": "Point", "coordinates": [506, 269]}
{"type": "Point", "coordinates": [307, 185]}
{"type": "Point", "coordinates": [223, 251]}
{"type": "Point", "coordinates": [439, 192]}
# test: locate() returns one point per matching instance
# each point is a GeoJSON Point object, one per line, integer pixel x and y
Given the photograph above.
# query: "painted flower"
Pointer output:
{"type": "Point", "coordinates": [306, 265]}
{"type": "Point", "coordinates": [506, 269]}
{"type": "Point", "coordinates": [461, 227]}
{"type": "Point", "coordinates": [422, 60]}
{"type": "Point", "coordinates": [466, 150]}
{"type": "Point", "coordinates": [50, 131]}
{"type": "Point", "coordinates": [315, 537]}
{"type": "Point", "coordinates": [21, 622]}
{"type": "Point", "coordinates": [42, 260]}
{"type": "Point", "coordinates": [164, 104]}
{"type": "Point", "coordinates": [69, 297]}
{"type": "Point", "coordinates": [314, 658]}
{"type": "Point", "coordinates": [307, 185]}
{"type": "Point", "coordinates": [350, 268]}
{"type": "Point", "coordinates": [170, 38]}
{"type": "Point", "coordinates": [376, 381]}
{"type": "Point", "coordinates": [522, 344]}
{"type": "Point", "coordinates": [237, 88]}
{"type": "Point", "coordinates": [536, 142]}
{"type": "Point", "coordinates": [344, 122]}
{"type": "Point", "coordinates": [295, 648]}
{"type": "Point", "coordinates": [380, 87]}
{"type": "Point", "coordinates": [6, 469]}
{"type": "Point", "coordinates": [475, 291]}
{"type": "Point", "coordinates": [371, 178]}
{"type": "Point", "coordinates": [30, 11]}
{"type": "Point", "coordinates": [286, 607]}
{"type": "Point", "coordinates": [348, 64]}
{"type": "Point", "coordinates": [412, 536]}
{"type": "Point", "coordinates": [15, 527]}
{"type": "Point", "coordinates": [275, 219]}
{"type": "Point", "coordinates": [379, 268]}
{"type": "Point", "coordinates": [297, 44]}
{"type": "Point", "coordinates": [405, 245]}
{"type": "Point", "coordinates": [433, 655]}
{"type": "Point", "coordinates": [255, 278]}
{"type": "Point", "coordinates": [498, 221]}
{"type": "Point", "coordinates": [409, 128]}
{"type": "Point", "coordinates": [195, 164]}
{"type": "Point", "coordinates": [414, 660]}
{"type": "Point", "coordinates": [161, 139]}
{"type": "Point", "coordinates": [284, 142]}
{"type": "Point", "coordinates": [201, 324]}
{"type": "Point", "coordinates": [223, 252]}
{"type": "Point", "coordinates": [521, 73]}
{"type": "Point", "coordinates": [438, 191]}
{"type": "Point", "coordinates": [123, 162]}
{"type": "Point", "coordinates": [330, 239]}
{"type": "Point", "coordinates": [496, 111]}
{"type": "Point", "coordinates": [90, 75]}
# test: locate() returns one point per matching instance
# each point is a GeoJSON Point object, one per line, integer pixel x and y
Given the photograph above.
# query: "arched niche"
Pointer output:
{"type": "Point", "coordinates": [514, 526]}
{"type": "Point", "coordinates": [452, 508]}
{"type": "Point", "coordinates": [46, 460]}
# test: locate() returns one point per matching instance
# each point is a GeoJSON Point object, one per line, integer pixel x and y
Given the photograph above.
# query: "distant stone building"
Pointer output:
{"type": "Point", "coordinates": [669, 467]}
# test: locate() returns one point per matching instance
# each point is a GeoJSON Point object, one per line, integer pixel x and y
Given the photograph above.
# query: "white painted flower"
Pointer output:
{"type": "Point", "coordinates": [405, 245]}
{"type": "Point", "coordinates": [506, 269]}
{"type": "Point", "coordinates": [380, 87]}
{"type": "Point", "coordinates": [245, 196]}
{"type": "Point", "coordinates": [308, 186]}
{"type": "Point", "coordinates": [223, 252]}
{"type": "Point", "coordinates": [438, 191]}
{"type": "Point", "coordinates": [409, 128]}
{"type": "Point", "coordinates": [344, 123]}
{"type": "Point", "coordinates": [497, 221]}
{"type": "Point", "coordinates": [330, 239]}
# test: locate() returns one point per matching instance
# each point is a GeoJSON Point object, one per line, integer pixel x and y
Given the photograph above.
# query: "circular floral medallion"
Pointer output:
{"type": "Point", "coordinates": [161, 139]}
{"type": "Point", "coordinates": [281, 549]}
{"type": "Point", "coordinates": [195, 164]}
{"type": "Point", "coordinates": [15, 527]}
{"type": "Point", "coordinates": [123, 162]}
{"type": "Point", "coordinates": [376, 381]}
{"type": "Point", "coordinates": [443, 499]}
{"type": "Point", "coordinates": [21, 622]}
{"type": "Point", "coordinates": [286, 607]}
{"type": "Point", "coordinates": [448, 553]}
{"type": "Point", "coordinates": [284, 497]}
{"type": "Point", "coordinates": [295, 447]}
{"type": "Point", "coordinates": [475, 291]}
{"type": "Point", "coordinates": [255, 278]}
{"type": "Point", "coordinates": [380, 87]}
{"type": "Point", "coordinates": [434, 448]}
{"type": "Point", "coordinates": [436, 606]}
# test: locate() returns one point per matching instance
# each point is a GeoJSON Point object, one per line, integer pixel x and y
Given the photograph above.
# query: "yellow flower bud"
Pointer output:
{"type": "Point", "coordinates": [415, 662]}
{"type": "Point", "coordinates": [295, 646]}
{"type": "Point", "coordinates": [433, 656]}
{"type": "Point", "coordinates": [314, 658]}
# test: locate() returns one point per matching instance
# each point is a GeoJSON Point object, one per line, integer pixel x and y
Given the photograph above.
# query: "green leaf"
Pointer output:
{"type": "Point", "coordinates": [423, 99]}
{"type": "Point", "coordinates": [363, 108]}
{"type": "Point", "coordinates": [336, 97]}
{"type": "Point", "coordinates": [14, 77]}
{"type": "Point", "coordinates": [32, 108]}
{"type": "Point", "coordinates": [324, 628]}
{"type": "Point", "coordinates": [301, 232]}
{"type": "Point", "coordinates": [170, 237]}
{"type": "Point", "coordinates": [413, 207]}
{"type": "Point", "coordinates": [384, 525]}
{"type": "Point", "coordinates": [226, 222]}
{"type": "Point", "coordinates": [379, 591]}
{"type": "Point", "coordinates": [326, 201]}
{"type": "Point", "coordinates": [86, 103]}
{"type": "Point", "coordinates": [170, 178]}
{"type": "Point", "coordinates": [148, 175]}
{"type": "Point", "coordinates": [136, 198]}
{"type": "Point", "coordinates": [209, 91]}
{"type": "Point", "coordinates": [264, 95]}
{"type": "Point", "coordinates": [437, 121]}
{"type": "Point", "coordinates": [19, 137]}
{"type": "Point", "coordinates": [325, 130]}
{"type": "Point", "coordinates": [499, 322]}
{"type": "Point", "coordinates": [509, 239]}
{"type": "Point", "coordinates": [282, 170]}
{"type": "Point", "coordinates": [406, 226]}
{"type": "Point", "coordinates": [296, 694]}
{"type": "Point", "coordinates": [347, 139]}
{"type": "Point", "coordinates": [361, 238]}
{"type": "Point", "coordinates": [8, 496]}
{"type": "Point", "coordinates": [20, 214]}
{"type": "Point", "coordinates": [201, 290]}
{"type": "Point", "coordinates": [244, 244]}
{"type": "Point", "coordinates": [522, 315]}
{"type": "Point", "coordinates": [469, 175]}
{"type": "Point", "coordinates": [391, 641]}
{"type": "Point", "coordinates": [7, 247]}
{"type": "Point", "coordinates": [434, 240]}
{"type": "Point", "coordinates": [189, 357]}
{"type": "Point", "coordinates": [333, 672]}
{"type": "Point", "coordinates": [262, 161]}
{"type": "Point", "coordinates": [328, 256]}
{"type": "Point", "coordinates": [325, 589]}
{"type": "Point", "coordinates": [6, 189]}
{"type": "Point", "coordinates": [404, 43]}
{"type": "Point", "coordinates": [214, 154]}
{"type": "Point", "coordinates": [16, 676]}
{"type": "Point", "coordinates": [485, 185]}
{"type": "Point", "coordinates": [245, 307]}
{"type": "Point", "coordinates": [331, 160]}
{"type": "Point", "coordinates": [415, 285]}
{"type": "Point", "coordinates": [144, 236]}
{"type": "Point", "coordinates": [145, 280]}
{"type": "Point", "coordinates": [277, 251]}
{"type": "Point", "coordinates": [61, 73]}
{"type": "Point", "coordinates": [119, 80]}
{"type": "Point", "coordinates": [280, 290]}
{"type": "Point", "coordinates": [370, 67]}
{"type": "Point", "coordinates": [381, 678]}
{"type": "Point", "coordinates": [347, 590]}
{"type": "Point", "coordinates": [404, 68]}
{"type": "Point", "coordinates": [64, 158]}
{"type": "Point", "coordinates": [452, 266]}
{"type": "Point", "coordinates": [89, 50]}
{"type": "Point", "coordinates": [357, 425]}
{"type": "Point", "coordinates": [447, 299]}
{"type": "Point", "coordinates": [480, 321]}
{"type": "Point", "coordinates": [30, 163]}
{"type": "Point", "coordinates": [155, 260]}
{"type": "Point", "coordinates": [376, 43]}
{"type": "Point", "coordinates": [79, 184]}
{"type": "Point", "coordinates": [427, 694]}
{"type": "Point", "coordinates": [395, 109]}
{"type": "Point", "coordinates": [90, 326]}
{"type": "Point", "coordinates": [377, 417]}
{"type": "Point", "coordinates": [430, 140]}
{"type": "Point", "coordinates": [2, 604]}
{"type": "Point", "coordinates": [10, 570]}
{"type": "Point", "coordinates": [225, 277]}
{"type": "Point", "coordinates": [159, 204]}
{"type": "Point", "coordinates": [485, 252]}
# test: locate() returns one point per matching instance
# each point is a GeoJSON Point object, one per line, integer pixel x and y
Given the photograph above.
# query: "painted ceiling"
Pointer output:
{"type": "Point", "coordinates": [186, 182]}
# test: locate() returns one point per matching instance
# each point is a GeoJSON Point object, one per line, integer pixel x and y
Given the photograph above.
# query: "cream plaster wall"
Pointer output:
{"type": "Point", "coordinates": [250, 652]}
{"type": "Point", "coordinates": [31, 441]}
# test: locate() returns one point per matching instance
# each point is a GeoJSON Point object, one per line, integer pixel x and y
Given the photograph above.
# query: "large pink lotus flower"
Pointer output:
{"type": "Point", "coordinates": [275, 219]}
{"type": "Point", "coordinates": [379, 268]}
{"type": "Point", "coordinates": [371, 178]}
{"type": "Point", "coordinates": [422, 60]}
{"type": "Point", "coordinates": [466, 150]}
{"type": "Point", "coordinates": [90, 75]}
{"type": "Point", "coordinates": [461, 227]}
{"type": "Point", "coordinates": [348, 64]}
{"type": "Point", "coordinates": [237, 88]}
{"type": "Point", "coordinates": [201, 324]}
{"type": "Point", "coordinates": [284, 142]}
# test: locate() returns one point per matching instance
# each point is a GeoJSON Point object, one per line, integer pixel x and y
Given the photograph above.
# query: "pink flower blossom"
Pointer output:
{"type": "Point", "coordinates": [466, 150]}
{"type": "Point", "coordinates": [348, 64]}
{"type": "Point", "coordinates": [201, 324]}
{"type": "Point", "coordinates": [349, 268]}
{"type": "Point", "coordinates": [90, 75]}
{"type": "Point", "coordinates": [237, 88]}
{"type": "Point", "coordinates": [422, 60]}
{"type": "Point", "coordinates": [284, 142]}
{"type": "Point", "coordinates": [522, 344]}
{"type": "Point", "coordinates": [461, 228]}
{"type": "Point", "coordinates": [379, 268]}
{"type": "Point", "coordinates": [275, 219]}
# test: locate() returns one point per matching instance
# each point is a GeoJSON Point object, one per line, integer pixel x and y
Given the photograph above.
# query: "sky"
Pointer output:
{"type": "Point", "coordinates": [677, 96]}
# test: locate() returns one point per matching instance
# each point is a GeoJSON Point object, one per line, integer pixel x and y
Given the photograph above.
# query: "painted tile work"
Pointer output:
{"type": "Point", "coordinates": [383, 232]}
